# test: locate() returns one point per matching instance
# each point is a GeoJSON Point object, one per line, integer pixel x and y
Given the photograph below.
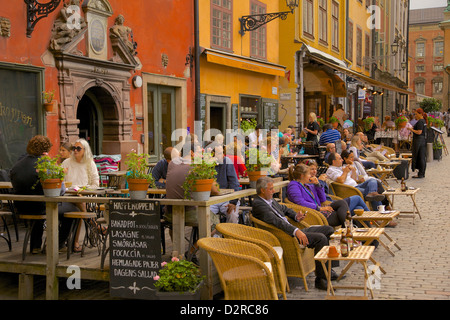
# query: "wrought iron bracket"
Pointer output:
{"type": "Point", "coordinates": [254, 21]}
{"type": "Point", "coordinates": [36, 11]}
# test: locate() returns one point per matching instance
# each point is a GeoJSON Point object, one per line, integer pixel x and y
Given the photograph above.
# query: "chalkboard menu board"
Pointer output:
{"type": "Point", "coordinates": [202, 112]}
{"type": "Point", "coordinates": [134, 248]}
{"type": "Point", "coordinates": [235, 116]}
{"type": "Point", "coordinates": [270, 112]}
{"type": "Point", "coordinates": [20, 116]}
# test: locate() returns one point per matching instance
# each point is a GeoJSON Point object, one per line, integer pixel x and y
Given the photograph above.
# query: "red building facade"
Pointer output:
{"type": "Point", "coordinates": [122, 74]}
{"type": "Point", "coordinates": [426, 48]}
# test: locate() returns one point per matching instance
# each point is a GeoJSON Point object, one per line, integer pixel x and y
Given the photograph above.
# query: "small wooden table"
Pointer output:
{"type": "Point", "coordinates": [382, 174]}
{"type": "Point", "coordinates": [366, 236]}
{"type": "Point", "coordinates": [359, 255]}
{"type": "Point", "coordinates": [380, 220]}
{"type": "Point", "coordinates": [409, 193]}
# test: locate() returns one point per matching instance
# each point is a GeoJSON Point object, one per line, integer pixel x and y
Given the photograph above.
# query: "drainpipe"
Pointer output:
{"type": "Point", "coordinates": [407, 55]}
{"type": "Point", "coordinates": [300, 110]}
{"type": "Point", "coordinates": [197, 62]}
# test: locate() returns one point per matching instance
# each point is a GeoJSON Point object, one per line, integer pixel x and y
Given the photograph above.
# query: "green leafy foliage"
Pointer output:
{"type": "Point", "coordinates": [48, 96]}
{"type": "Point", "coordinates": [248, 125]}
{"type": "Point", "coordinates": [137, 167]}
{"type": "Point", "coordinates": [48, 168]}
{"type": "Point", "coordinates": [257, 159]}
{"type": "Point", "coordinates": [201, 168]}
{"type": "Point", "coordinates": [431, 104]}
{"type": "Point", "coordinates": [333, 120]}
{"type": "Point", "coordinates": [178, 276]}
{"type": "Point", "coordinates": [400, 120]}
{"type": "Point", "coordinates": [435, 122]}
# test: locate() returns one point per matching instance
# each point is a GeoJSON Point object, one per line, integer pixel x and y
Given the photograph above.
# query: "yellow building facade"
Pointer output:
{"type": "Point", "coordinates": [311, 43]}
{"type": "Point", "coordinates": [239, 72]}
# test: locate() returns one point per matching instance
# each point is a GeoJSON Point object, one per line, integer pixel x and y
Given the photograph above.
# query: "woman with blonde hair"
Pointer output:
{"type": "Point", "coordinates": [313, 128]}
{"type": "Point", "coordinates": [81, 168]}
{"type": "Point", "coordinates": [82, 172]}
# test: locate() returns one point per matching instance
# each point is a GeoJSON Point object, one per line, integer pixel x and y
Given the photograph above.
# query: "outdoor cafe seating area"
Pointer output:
{"type": "Point", "coordinates": [252, 260]}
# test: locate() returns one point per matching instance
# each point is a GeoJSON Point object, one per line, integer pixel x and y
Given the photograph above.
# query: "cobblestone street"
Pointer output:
{"type": "Point", "coordinates": [420, 270]}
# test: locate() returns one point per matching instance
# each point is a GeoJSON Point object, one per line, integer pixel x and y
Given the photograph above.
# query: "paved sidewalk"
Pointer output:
{"type": "Point", "coordinates": [421, 269]}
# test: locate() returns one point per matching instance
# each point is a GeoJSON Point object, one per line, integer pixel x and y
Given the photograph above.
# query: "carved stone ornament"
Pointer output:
{"type": "Point", "coordinates": [164, 60]}
{"type": "Point", "coordinates": [118, 30]}
{"type": "Point", "coordinates": [67, 26]}
{"type": "Point", "coordinates": [5, 27]}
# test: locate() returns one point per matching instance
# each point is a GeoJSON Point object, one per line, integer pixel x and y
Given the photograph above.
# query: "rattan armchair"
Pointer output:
{"type": "Point", "coordinates": [313, 217]}
{"type": "Point", "coordinates": [244, 269]}
{"type": "Point", "coordinates": [299, 262]}
{"type": "Point", "coordinates": [267, 241]}
{"type": "Point", "coordinates": [344, 191]}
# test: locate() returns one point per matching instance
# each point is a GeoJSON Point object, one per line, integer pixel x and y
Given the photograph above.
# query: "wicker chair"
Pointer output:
{"type": "Point", "coordinates": [244, 269]}
{"type": "Point", "coordinates": [389, 150]}
{"type": "Point", "coordinates": [344, 191]}
{"type": "Point", "coordinates": [299, 262]}
{"type": "Point", "coordinates": [268, 242]}
{"type": "Point", "coordinates": [313, 217]}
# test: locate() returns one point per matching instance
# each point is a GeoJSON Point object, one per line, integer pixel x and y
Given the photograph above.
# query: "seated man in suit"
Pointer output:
{"type": "Point", "coordinates": [266, 209]}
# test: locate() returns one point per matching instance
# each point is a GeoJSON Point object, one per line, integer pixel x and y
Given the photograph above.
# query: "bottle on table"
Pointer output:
{"type": "Point", "coordinates": [403, 185]}
{"type": "Point", "coordinates": [344, 246]}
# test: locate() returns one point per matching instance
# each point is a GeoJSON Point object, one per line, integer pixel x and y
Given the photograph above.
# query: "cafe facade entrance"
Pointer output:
{"type": "Point", "coordinates": [95, 102]}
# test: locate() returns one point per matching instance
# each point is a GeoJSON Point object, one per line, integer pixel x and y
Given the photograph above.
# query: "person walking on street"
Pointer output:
{"type": "Point", "coordinates": [419, 144]}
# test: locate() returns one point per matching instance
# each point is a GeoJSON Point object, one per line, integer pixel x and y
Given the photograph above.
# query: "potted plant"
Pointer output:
{"type": "Point", "coordinates": [257, 163]}
{"type": "Point", "coordinates": [50, 174]}
{"type": "Point", "coordinates": [437, 150]}
{"type": "Point", "coordinates": [201, 176]}
{"type": "Point", "coordinates": [320, 122]}
{"type": "Point", "coordinates": [138, 178]}
{"type": "Point", "coordinates": [368, 122]}
{"type": "Point", "coordinates": [435, 122]}
{"type": "Point", "coordinates": [178, 280]}
{"type": "Point", "coordinates": [48, 100]}
{"type": "Point", "coordinates": [334, 122]}
{"type": "Point", "coordinates": [248, 125]}
{"type": "Point", "coordinates": [401, 122]}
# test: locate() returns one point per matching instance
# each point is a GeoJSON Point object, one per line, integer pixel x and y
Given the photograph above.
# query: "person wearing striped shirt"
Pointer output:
{"type": "Point", "coordinates": [329, 135]}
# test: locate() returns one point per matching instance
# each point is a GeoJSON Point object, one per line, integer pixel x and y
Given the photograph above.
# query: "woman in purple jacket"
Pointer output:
{"type": "Point", "coordinates": [306, 191]}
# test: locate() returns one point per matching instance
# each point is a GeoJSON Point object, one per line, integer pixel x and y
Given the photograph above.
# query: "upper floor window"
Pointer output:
{"type": "Point", "coordinates": [437, 85]}
{"type": "Point", "coordinates": [221, 24]}
{"type": "Point", "coordinates": [335, 25]}
{"type": "Point", "coordinates": [439, 48]}
{"type": "Point", "coordinates": [323, 21]}
{"type": "Point", "coordinates": [258, 38]}
{"type": "Point", "coordinates": [420, 87]}
{"type": "Point", "coordinates": [367, 51]}
{"type": "Point", "coordinates": [308, 18]}
{"type": "Point", "coordinates": [350, 41]}
{"type": "Point", "coordinates": [359, 44]}
{"type": "Point", "coordinates": [420, 49]}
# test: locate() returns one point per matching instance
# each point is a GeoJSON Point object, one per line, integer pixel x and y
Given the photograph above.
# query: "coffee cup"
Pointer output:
{"type": "Point", "coordinates": [359, 212]}
{"type": "Point", "coordinates": [381, 208]}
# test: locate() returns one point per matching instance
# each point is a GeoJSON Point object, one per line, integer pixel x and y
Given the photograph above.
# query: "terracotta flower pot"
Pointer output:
{"type": "Point", "coordinates": [253, 176]}
{"type": "Point", "coordinates": [335, 125]}
{"type": "Point", "coordinates": [402, 124]}
{"type": "Point", "coordinates": [48, 106]}
{"type": "Point", "coordinates": [138, 188]}
{"type": "Point", "coordinates": [51, 187]}
{"type": "Point", "coordinates": [201, 189]}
